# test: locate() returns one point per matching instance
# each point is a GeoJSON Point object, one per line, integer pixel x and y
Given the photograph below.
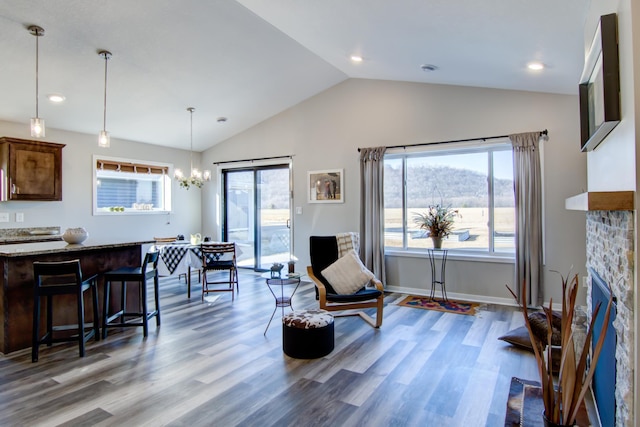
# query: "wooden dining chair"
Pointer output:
{"type": "Point", "coordinates": [217, 257]}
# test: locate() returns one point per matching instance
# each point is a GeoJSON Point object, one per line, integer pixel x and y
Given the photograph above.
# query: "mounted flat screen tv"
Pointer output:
{"type": "Point", "coordinates": [599, 89]}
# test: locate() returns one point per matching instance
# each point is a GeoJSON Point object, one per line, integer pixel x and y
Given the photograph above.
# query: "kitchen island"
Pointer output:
{"type": "Point", "coordinates": [16, 290]}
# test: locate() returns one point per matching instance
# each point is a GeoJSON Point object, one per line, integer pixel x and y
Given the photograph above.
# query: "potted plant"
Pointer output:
{"type": "Point", "coordinates": [437, 221]}
{"type": "Point", "coordinates": [562, 396]}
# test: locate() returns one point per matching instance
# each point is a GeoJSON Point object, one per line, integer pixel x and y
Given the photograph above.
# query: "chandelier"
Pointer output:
{"type": "Point", "coordinates": [197, 177]}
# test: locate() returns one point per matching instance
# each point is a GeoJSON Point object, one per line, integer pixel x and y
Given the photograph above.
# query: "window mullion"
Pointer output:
{"type": "Point", "coordinates": [405, 225]}
{"type": "Point", "coordinates": [490, 188]}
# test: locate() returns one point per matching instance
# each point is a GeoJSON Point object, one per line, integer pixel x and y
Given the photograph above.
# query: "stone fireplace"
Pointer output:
{"type": "Point", "coordinates": [610, 246]}
{"type": "Point", "coordinates": [610, 261]}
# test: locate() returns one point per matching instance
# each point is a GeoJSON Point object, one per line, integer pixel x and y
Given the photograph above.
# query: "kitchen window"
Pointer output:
{"type": "Point", "coordinates": [130, 186]}
{"type": "Point", "coordinates": [475, 180]}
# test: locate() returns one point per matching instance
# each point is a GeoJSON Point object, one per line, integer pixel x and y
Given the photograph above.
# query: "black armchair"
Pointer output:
{"type": "Point", "coordinates": [323, 253]}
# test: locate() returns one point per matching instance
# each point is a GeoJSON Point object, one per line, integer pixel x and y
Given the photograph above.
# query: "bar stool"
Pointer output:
{"type": "Point", "coordinates": [148, 270]}
{"type": "Point", "coordinates": [62, 278]}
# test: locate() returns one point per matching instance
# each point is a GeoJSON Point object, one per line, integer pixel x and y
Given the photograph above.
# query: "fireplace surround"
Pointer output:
{"type": "Point", "coordinates": [610, 252]}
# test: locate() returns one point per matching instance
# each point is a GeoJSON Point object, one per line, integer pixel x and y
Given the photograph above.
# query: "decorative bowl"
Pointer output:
{"type": "Point", "coordinates": [75, 235]}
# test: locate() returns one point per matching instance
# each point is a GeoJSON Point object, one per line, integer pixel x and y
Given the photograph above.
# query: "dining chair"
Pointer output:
{"type": "Point", "coordinates": [217, 257]}
{"type": "Point", "coordinates": [53, 279]}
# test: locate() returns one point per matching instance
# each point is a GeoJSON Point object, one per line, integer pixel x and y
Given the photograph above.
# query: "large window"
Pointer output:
{"type": "Point", "coordinates": [477, 181]}
{"type": "Point", "coordinates": [131, 186]}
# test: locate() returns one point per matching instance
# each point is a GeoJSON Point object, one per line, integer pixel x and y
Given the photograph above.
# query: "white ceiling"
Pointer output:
{"type": "Point", "coordinates": [248, 60]}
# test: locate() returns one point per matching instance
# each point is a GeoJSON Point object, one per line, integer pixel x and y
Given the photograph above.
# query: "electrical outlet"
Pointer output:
{"type": "Point", "coordinates": [19, 217]}
{"type": "Point", "coordinates": [4, 216]}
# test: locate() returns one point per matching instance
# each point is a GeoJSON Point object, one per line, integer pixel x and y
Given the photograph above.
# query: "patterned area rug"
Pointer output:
{"type": "Point", "coordinates": [525, 406]}
{"type": "Point", "coordinates": [450, 306]}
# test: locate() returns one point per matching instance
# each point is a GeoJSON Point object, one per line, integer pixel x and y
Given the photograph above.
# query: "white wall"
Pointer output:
{"type": "Point", "coordinates": [325, 131]}
{"type": "Point", "coordinates": [614, 164]}
{"type": "Point", "coordinates": [75, 209]}
{"type": "Point", "coordinates": [619, 147]}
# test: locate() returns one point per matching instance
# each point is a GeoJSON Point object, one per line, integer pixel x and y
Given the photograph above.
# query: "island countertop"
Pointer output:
{"type": "Point", "coordinates": [57, 247]}
{"type": "Point", "coordinates": [96, 256]}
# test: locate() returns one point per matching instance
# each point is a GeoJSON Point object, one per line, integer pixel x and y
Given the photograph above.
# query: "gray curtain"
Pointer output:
{"type": "Point", "coordinates": [372, 210]}
{"type": "Point", "coordinates": [527, 181]}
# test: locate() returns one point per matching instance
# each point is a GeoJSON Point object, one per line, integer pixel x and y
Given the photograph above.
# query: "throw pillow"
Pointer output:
{"type": "Point", "coordinates": [540, 326]}
{"type": "Point", "coordinates": [347, 274]}
{"type": "Point", "coordinates": [518, 337]}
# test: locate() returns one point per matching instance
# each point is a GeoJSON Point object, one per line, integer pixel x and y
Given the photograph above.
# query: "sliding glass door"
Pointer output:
{"type": "Point", "coordinates": [257, 214]}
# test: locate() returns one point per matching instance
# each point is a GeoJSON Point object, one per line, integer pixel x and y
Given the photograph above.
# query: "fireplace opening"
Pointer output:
{"type": "Point", "coordinates": [604, 380]}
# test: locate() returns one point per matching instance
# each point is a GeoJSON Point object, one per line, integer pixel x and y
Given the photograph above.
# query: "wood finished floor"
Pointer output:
{"type": "Point", "coordinates": [209, 364]}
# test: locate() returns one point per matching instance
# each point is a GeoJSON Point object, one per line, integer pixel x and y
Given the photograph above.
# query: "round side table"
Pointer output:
{"type": "Point", "coordinates": [283, 300]}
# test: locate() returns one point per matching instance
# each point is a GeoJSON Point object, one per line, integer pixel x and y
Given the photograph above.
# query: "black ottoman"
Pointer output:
{"type": "Point", "coordinates": [307, 334]}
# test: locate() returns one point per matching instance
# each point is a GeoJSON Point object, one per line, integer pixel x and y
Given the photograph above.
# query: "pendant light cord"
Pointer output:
{"type": "Point", "coordinates": [37, 33]}
{"type": "Point", "coordinates": [106, 55]}
{"type": "Point", "coordinates": [104, 113]}
{"type": "Point", "coordinates": [191, 109]}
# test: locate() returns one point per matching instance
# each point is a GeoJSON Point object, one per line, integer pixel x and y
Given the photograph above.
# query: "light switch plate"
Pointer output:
{"type": "Point", "coordinates": [19, 217]}
{"type": "Point", "coordinates": [4, 216]}
{"type": "Point", "coordinates": [298, 210]}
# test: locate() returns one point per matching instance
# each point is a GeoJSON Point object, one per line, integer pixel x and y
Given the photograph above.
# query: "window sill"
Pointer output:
{"type": "Point", "coordinates": [131, 212]}
{"type": "Point", "coordinates": [454, 255]}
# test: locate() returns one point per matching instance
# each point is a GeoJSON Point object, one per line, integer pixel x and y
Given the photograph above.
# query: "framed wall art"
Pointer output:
{"type": "Point", "coordinates": [326, 186]}
{"type": "Point", "coordinates": [599, 89]}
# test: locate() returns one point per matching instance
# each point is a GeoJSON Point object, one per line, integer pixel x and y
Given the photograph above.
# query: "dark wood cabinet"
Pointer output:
{"type": "Point", "coordinates": [30, 170]}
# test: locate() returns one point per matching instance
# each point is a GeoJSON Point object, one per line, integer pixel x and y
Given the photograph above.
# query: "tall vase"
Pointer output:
{"type": "Point", "coordinates": [549, 423]}
{"type": "Point", "coordinates": [437, 242]}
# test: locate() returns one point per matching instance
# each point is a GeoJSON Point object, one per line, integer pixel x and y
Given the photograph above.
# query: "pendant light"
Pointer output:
{"type": "Point", "coordinates": [37, 124]}
{"type": "Point", "coordinates": [197, 178]}
{"type": "Point", "coordinates": [104, 141]}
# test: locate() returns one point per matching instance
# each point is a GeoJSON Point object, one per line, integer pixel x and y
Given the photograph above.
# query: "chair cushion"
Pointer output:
{"type": "Point", "coordinates": [220, 265]}
{"type": "Point", "coordinates": [362, 295]}
{"type": "Point", "coordinates": [324, 252]}
{"type": "Point", "coordinates": [347, 275]}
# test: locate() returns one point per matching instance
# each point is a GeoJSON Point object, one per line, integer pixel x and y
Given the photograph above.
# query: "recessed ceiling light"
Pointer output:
{"type": "Point", "coordinates": [535, 66]}
{"type": "Point", "coordinates": [428, 67]}
{"type": "Point", "coordinates": [56, 98]}
{"type": "Point", "coordinates": [356, 58]}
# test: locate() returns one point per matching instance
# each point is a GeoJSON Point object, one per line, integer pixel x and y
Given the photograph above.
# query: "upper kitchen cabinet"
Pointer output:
{"type": "Point", "coordinates": [30, 170]}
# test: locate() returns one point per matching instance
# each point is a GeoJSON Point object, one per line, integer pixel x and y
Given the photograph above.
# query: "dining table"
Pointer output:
{"type": "Point", "coordinates": [179, 258]}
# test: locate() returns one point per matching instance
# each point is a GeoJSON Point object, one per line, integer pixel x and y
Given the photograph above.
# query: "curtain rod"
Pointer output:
{"type": "Point", "coordinates": [542, 133]}
{"type": "Point", "coordinates": [254, 160]}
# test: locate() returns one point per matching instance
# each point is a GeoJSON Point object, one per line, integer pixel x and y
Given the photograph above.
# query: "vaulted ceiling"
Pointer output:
{"type": "Point", "coordinates": [248, 60]}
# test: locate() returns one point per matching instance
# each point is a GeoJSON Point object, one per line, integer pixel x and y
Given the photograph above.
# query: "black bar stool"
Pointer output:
{"type": "Point", "coordinates": [62, 278]}
{"type": "Point", "coordinates": [148, 270]}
